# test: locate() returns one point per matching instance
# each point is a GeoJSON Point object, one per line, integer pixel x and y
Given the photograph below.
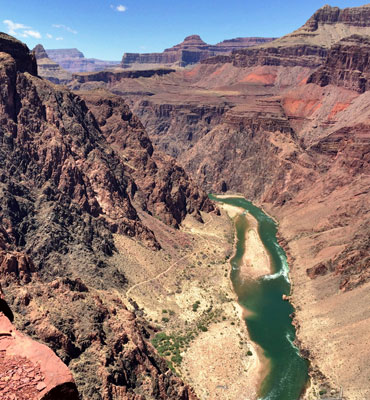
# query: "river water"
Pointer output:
{"type": "Point", "coordinates": [268, 320]}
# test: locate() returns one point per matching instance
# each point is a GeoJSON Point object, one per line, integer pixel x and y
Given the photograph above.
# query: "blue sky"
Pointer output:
{"type": "Point", "coordinates": [106, 29]}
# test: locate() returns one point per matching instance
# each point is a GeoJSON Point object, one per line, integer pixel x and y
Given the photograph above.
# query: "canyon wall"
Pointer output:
{"type": "Point", "coordinates": [191, 51]}
{"type": "Point", "coordinates": [71, 179]}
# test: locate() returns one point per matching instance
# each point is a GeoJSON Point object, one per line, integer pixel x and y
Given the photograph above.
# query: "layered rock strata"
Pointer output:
{"type": "Point", "coordinates": [110, 77]}
{"type": "Point", "coordinates": [191, 51]}
{"type": "Point", "coordinates": [308, 45]}
{"type": "Point", "coordinates": [347, 65]}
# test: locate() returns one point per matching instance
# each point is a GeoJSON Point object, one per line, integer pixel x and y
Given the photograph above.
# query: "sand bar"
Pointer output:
{"type": "Point", "coordinates": [256, 260]}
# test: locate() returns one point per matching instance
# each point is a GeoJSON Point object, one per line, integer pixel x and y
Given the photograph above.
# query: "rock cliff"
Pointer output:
{"type": "Point", "coordinates": [111, 77]}
{"type": "Point", "coordinates": [347, 65]}
{"type": "Point", "coordinates": [191, 51]}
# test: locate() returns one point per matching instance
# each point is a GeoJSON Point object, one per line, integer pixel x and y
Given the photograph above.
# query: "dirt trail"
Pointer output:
{"type": "Point", "coordinates": [169, 268]}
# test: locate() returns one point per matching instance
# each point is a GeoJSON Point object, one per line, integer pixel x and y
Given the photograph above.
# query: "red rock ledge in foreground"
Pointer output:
{"type": "Point", "coordinates": [30, 370]}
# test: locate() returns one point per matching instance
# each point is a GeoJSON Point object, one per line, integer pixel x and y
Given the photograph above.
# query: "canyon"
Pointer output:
{"type": "Point", "coordinates": [111, 252]}
{"type": "Point", "coordinates": [286, 124]}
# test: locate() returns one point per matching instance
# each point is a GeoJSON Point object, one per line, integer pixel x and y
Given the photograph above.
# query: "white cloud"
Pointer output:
{"type": "Point", "coordinates": [65, 27]}
{"type": "Point", "coordinates": [49, 36]}
{"type": "Point", "coordinates": [59, 38]}
{"type": "Point", "coordinates": [34, 34]}
{"type": "Point", "coordinates": [121, 8]}
{"type": "Point", "coordinates": [14, 26]}
{"type": "Point", "coordinates": [25, 31]}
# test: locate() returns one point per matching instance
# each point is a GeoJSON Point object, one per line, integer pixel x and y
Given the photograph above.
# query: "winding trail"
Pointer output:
{"type": "Point", "coordinates": [170, 267]}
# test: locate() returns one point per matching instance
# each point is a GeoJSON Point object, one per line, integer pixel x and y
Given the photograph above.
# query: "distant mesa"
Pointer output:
{"type": "Point", "coordinates": [73, 60]}
{"type": "Point", "coordinates": [48, 68]}
{"type": "Point", "coordinates": [307, 46]}
{"type": "Point", "coordinates": [191, 51]}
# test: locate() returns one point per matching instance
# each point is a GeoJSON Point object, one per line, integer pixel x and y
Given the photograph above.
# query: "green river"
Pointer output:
{"type": "Point", "coordinates": [268, 321]}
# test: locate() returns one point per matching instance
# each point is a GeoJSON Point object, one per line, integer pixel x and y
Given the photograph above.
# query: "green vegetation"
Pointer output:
{"type": "Point", "coordinates": [249, 353]}
{"type": "Point", "coordinates": [196, 306]}
{"type": "Point", "coordinates": [173, 344]}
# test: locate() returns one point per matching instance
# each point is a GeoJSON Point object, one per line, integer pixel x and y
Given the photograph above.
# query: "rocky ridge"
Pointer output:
{"type": "Point", "coordinates": [65, 191]}
{"type": "Point", "coordinates": [110, 77]}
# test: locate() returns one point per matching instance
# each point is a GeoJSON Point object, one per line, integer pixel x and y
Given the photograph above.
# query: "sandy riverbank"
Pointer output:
{"type": "Point", "coordinates": [220, 362]}
{"type": "Point", "coordinates": [256, 261]}
{"type": "Point", "coordinates": [215, 369]}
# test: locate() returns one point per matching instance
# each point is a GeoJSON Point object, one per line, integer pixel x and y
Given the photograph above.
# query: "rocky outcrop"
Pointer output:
{"type": "Point", "coordinates": [73, 60]}
{"type": "Point", "coordinates": [162, 187]}
{"type": "Point", "coordinates": [346, 65]}
{"type": "Point", "coordinates": [327, 15]}
{"type": "Point", "coordinates": [30, 370]}
{"type": "Point", "coordinates": [24, 60]}
{"type": "Point", "coordinates": [191, 51]}
{"type": "Point", "coordinates": [39, 52]}
{"type": "Point", "coordinates": [49, 69]}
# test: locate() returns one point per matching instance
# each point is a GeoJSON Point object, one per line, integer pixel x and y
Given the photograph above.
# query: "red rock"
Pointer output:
{"type": "Point", "coordinates": [40, 386]}
{"type": "Point", "coordinates": [26, 354]}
